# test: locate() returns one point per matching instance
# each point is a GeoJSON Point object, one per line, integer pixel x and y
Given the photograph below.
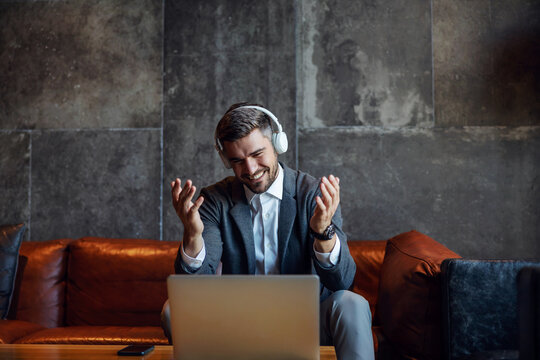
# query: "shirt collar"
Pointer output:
{"type": "Point", "coordinates": [276, 189]}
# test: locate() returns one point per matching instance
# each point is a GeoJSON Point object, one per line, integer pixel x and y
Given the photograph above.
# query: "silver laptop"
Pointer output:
{"type": "Point", "coordinates": [244, 317]}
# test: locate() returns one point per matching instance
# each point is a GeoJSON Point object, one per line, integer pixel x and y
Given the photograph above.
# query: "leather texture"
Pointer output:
{"type": "Point", "coordinates": [118, 281]}
{"type": "Point", "coordinates": [529, 312]}
{"type": "Point", "coordinates": [114, 289]}
{"type": "Point", "coordinates": [409, 297]}
{"type": "Point", "coordinates": [368, 256]}
{"type": "Point", "coordinates": [494, 355]}
{"type": "Point", "coordinates": [10, 242]}
{"type": "Point", "coordinates": [11, 330]}
{"type": "Point", "coordinates": [384, 349]}
{"type": "Point", "coordinates": [105, 335]}
{"type": "Point", "coordinates": [39, 296]}
{"type": "Point", "coordinates": [480, 306]}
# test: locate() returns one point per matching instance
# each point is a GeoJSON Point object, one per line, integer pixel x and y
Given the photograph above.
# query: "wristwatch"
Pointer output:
{"type": "Point", "coordinates": [328, 233]}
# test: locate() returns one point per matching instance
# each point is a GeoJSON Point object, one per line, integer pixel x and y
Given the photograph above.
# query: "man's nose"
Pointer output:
{"type": "Point", "coordinates": [251, 166]}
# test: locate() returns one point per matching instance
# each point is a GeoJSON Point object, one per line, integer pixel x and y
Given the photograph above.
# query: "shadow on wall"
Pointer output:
{"type": "Point", "coordinates": [515, 89]}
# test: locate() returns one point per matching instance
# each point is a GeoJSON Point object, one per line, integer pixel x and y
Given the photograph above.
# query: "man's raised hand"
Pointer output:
{"type": "Point", "coordinates": [188, 212]}
{"type": "Point", "coordinates": [327, 204]}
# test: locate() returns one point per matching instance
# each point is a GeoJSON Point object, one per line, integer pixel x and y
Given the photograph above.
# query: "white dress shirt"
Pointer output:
{"type": "Point", "coordinates": [265, 219]}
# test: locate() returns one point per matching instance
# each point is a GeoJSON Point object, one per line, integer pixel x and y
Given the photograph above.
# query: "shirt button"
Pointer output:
{"type": "Point", "coordinates": [267, 215]}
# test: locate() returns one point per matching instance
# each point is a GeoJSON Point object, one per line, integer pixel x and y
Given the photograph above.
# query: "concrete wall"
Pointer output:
{"type": "Point", "coordinates": [428, 111]}
{"type": "Point", "coordinates": [80, 117]}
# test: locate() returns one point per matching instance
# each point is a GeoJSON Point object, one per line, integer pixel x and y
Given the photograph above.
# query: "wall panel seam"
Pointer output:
{"type": "Point", "coordinates": [161, 149]}
{"type": "Point", "coordinates": [30, 186]}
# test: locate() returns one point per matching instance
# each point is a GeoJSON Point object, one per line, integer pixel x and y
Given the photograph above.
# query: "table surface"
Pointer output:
{"type": "Point", "coordinates": [97, 352]}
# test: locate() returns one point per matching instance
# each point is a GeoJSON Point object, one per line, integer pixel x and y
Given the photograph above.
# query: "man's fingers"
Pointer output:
{"type": "Point", "coordinates": [197, 204]}
{"type": "Point", "coordinates": [320, 203]}
{"type": "Point", "coordinates": [334, 181]}
{"type": "Point", "coordinates": [182, 196]}
{"type": "Point", "coordinates": [330, 185]}
{"type": "Point", "coordinates": [175, 191]}
{"type": "Point", "coordinates": [184, 193]}
{"type": "Point", "coordinates": [189, 196]}
{"type": "Point", "coordinates": [326, 195]}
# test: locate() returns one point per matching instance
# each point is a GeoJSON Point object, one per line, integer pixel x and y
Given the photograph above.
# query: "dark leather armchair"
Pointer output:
{"type": "Point", "coordinates": [529, 313]}
{"type": "Point", "coordinates": [480, 308]}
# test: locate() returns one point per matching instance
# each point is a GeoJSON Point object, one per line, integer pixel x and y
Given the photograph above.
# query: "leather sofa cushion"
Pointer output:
{"type": "Point", "coordinates": [118, 281]}
{"type": "Point", "coordinates": [368, 256]}
{"type": "Point", "coordinates": [105, 335]}
{"type": "Point", "coordinates": [41, 283]}
{"type": "Point", "coordinates": [409, 302]}
{"type": "Point", "coordinates": [10, 242]}
{"type": "Point", "coordinates": [11, 330]}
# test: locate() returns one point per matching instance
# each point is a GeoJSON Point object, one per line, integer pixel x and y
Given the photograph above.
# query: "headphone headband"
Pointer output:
{"type": "Point", "coordinates": [267, 112]}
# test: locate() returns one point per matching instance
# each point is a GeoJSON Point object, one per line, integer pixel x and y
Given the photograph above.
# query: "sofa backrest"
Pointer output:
{"type": "Point", "coordinates": [118, 281]}
{"type": "Point", "coordinates": [103, 281]}
{"type": "Point", "coordinates": [368, 256]}
{"type": "Point", "coordinates": [40, 285]}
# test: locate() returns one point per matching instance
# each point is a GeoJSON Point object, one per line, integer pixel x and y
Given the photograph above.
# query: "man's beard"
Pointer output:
{"type": "Point", "coordinates": [272, 175]}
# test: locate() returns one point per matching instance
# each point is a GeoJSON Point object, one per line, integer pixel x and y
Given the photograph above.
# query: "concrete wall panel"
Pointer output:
{"type": "Point", "coordinates": [486, 62]}
{"type": "Point", "coordinates": [219, 53]}
{"type": "Point", "coordinates": [95, 183]}
{"type": "Point", "coordinates": [88, 64]}
{"type": "Point", "coordinates": [366, 63]}
{"type": "Point", "coordinates": [209, 27]}
{"type": "Point", "coordinates": [474, 190]}
{"type": "Point", "coordinates": [14, 178]}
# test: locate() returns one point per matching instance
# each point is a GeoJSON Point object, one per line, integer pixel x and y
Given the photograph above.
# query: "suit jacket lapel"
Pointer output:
{"type": "Point", "coordinates": [287, 213]}
{"type": "Point", "coordinates": [241, 214]}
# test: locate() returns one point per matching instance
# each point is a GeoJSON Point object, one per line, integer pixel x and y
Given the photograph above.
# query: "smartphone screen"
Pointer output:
{"type": "Point", "coordinates": [136, 350]}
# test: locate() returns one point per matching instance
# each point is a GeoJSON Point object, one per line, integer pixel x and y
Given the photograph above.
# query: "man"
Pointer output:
{"type": "Point", "coordinates": [270, 219]}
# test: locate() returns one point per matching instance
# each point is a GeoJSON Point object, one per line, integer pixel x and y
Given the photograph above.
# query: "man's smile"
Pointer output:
{"type": "Point", "coordinates": [259, 174]}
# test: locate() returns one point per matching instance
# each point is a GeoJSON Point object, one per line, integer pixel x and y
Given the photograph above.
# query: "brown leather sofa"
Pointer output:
{"type": "Point", "coordinates": [111, 291]}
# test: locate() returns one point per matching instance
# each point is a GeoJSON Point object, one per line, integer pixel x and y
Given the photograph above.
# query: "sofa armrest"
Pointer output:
{"type": "Point", "coordinates": [409, 294]}
{"type": "Point", "coordinates": [529, 312]}
{"type": "Point", "coordinates": [11, 330]}
{"type": "Point", "coordinates": [480, 306]}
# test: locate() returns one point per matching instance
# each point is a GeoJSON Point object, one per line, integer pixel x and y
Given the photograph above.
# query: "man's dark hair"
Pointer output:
{"type": "Point", "coordinates": [237, 123]}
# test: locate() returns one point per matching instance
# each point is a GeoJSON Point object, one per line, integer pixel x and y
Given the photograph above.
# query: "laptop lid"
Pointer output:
{"type": "Point", "coordinates": [244, 316]}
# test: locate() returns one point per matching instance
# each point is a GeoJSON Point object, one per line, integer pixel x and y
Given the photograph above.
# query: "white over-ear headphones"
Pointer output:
{"type": "Point", "coordinates": [279, 138]}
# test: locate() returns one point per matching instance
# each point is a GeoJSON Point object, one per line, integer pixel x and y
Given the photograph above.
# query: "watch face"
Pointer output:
{"type": "Point", "coordinates": [329, 232]}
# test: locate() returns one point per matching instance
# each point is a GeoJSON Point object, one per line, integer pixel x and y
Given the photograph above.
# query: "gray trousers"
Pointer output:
{"type": "Point", "coordinates": [345, 323]}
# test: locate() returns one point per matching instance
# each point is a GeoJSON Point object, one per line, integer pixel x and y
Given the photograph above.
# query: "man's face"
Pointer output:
{"type": "Point", "coordinates": [253, 160]}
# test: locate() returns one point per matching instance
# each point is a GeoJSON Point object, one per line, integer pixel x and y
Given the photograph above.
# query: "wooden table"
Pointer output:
{"type": "Point", "coordinates": [98, 352]}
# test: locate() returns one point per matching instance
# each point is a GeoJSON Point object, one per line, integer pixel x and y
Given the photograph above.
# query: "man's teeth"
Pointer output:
{"type": "Point", "coordinates": [257, 176]}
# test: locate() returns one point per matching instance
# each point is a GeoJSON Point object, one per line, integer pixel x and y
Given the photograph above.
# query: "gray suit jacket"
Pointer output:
{"type": "Point", "coordinates": [228, 233]}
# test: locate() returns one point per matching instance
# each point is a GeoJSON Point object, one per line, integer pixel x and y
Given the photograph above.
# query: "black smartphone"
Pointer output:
{"type": "Point", "coordinates": [135, 350]}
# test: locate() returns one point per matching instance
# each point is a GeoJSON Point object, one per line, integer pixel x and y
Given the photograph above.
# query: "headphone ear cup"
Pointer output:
{"type": "Point", "coordinates": [224, 159]}
{"type": "Point", "coordinates": [280, 142]}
